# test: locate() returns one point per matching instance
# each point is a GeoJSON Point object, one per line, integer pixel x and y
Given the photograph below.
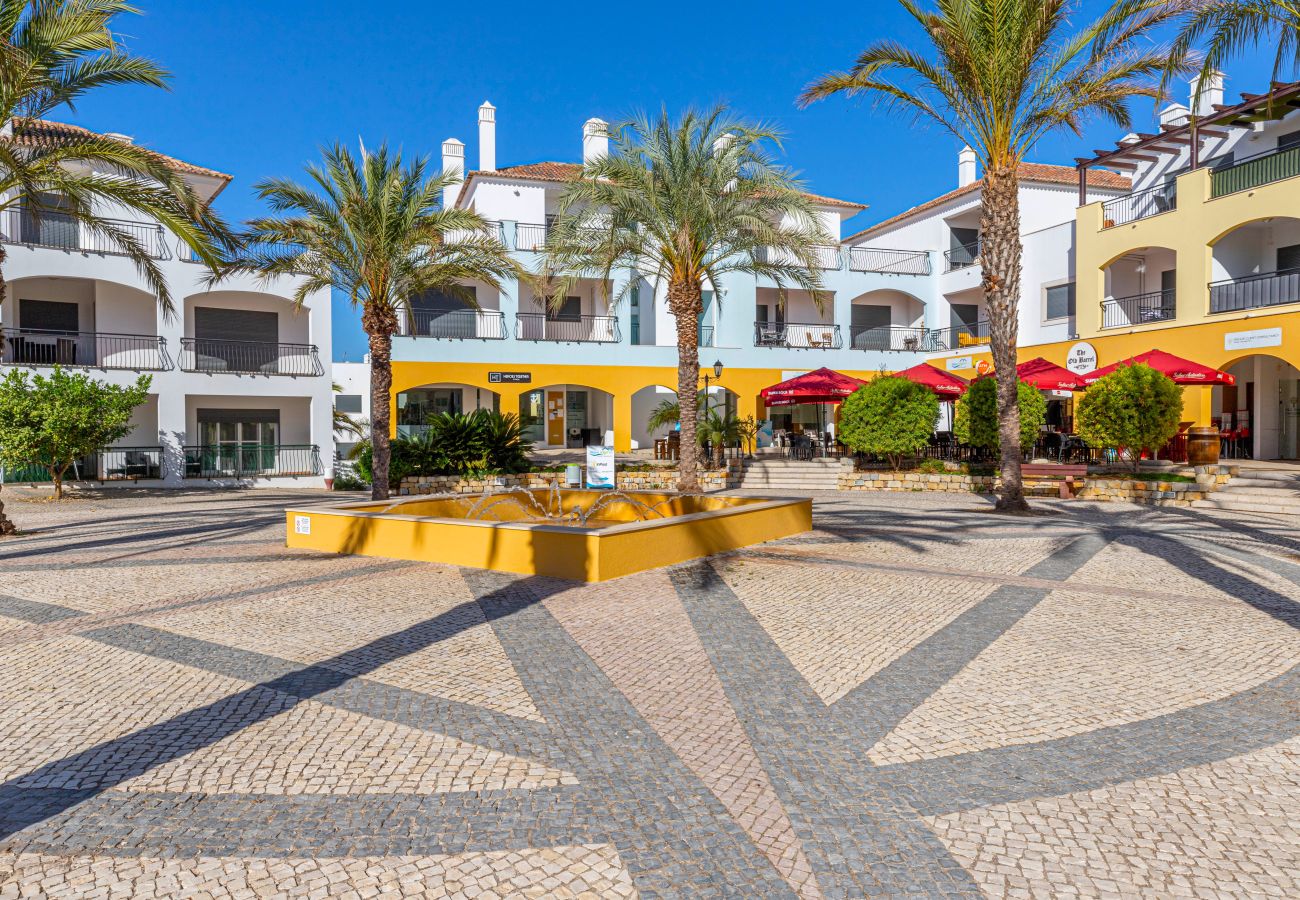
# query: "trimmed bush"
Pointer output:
{"type": "Point", "coordinates": [1134, 408]}
{"type": "Point", "coordinates": [889, 417]}
{"type": "Point", "coordinates": [977, 415]}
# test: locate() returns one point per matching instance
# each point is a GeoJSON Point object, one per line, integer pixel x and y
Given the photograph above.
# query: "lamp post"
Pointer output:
{"type": "Point", "coordinates": [717, 374]}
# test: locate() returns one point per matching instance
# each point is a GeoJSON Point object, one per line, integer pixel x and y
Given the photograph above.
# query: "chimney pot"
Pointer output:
{"type": "Point", "coordinates": [120, 138]}
{"type": "Point", "coordinates": [967, 167]}
{"type": "Point", "coordinates": [595, 140]}
{"type": "Point", "coordinates": [453, 161]}
{"type": "Point", "coordinates": [1211, 93]}
{"type": "Point", "coordinates": [487, 137]}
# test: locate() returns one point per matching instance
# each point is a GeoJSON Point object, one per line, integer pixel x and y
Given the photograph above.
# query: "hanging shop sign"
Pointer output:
{"type": "Point", "coordinates": [1082, 358]}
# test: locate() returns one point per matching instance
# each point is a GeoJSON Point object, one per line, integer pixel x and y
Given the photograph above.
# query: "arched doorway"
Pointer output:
{"type": "Point", "coordinates": [567, 415]}
{"type": "Point", "coordinates": [1259, 416]}
{"type": "Point", "coordinates": [417, 405]}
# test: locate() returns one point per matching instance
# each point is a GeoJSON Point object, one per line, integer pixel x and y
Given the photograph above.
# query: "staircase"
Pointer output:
{"type": "Point", "coordinates": [792, 475]}
{"type": "Point", "coordinates": [1259, 490]}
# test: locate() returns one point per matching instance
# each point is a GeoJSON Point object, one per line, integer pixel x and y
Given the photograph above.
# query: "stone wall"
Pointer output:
{"type": "Point", "coordinates": [951, 482]}
{"type": "Point", "coordinates": [659, 479]}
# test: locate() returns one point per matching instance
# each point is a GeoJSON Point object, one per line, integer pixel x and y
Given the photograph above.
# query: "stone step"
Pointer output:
{"type": "Point", "coordinates": [1284, 476]}
{"type": "Point", "coordinates": [1258, 489]}
{"type": "Point", "coordinates": [1273, 484]}
{"type": "Point", "coordinates": [1226, 501]}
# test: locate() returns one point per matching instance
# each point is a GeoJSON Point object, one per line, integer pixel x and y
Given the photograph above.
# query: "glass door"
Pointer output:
{"type": "Point", "coordinates": [240, 447]}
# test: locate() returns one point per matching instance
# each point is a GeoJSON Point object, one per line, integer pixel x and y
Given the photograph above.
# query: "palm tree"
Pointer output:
{"type": "Point", "coordinates": [53, 53]}
{"type": "Point", "coordinates": [1230, 27]}
{"type": "Point", "coordinates": [719, 429]}
{"type": "Point", "coordinates": [373, 227]}
{"type": "Point", "coordinates": [685, 203]}
{"type": "Point", "coordinates": [1000, 75]}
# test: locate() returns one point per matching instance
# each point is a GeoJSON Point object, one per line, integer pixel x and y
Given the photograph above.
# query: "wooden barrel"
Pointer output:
{"type": "Point", "coordinates": [1202, 446]}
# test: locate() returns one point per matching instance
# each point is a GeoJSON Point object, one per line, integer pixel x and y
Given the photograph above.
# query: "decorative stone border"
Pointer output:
{"type": "Point", "coordinates": [659, 479]}
{"type": "Point", "coordinates": [952, 482]}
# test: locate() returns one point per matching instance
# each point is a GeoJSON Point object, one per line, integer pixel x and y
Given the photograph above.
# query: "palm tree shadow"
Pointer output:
{"type": "Point", "coordinates": [55, 787]}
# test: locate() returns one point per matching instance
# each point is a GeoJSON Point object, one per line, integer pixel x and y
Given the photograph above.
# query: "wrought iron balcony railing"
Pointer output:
{"type": "Point", "coordinates": [1140, 205]}
{"type": "Point", "coordinates": [1255, 291]}
{"type": "Point", "coordinates": [957, 337]}
{"type": "Point", "coordinates": [962, 257]}
{"type": "Point", "coordinates": [578, 329]}
{"type": "Point", "coordinates": [457, 324]}
{"type": "Point", "coordinates": [61, 231]}
{"type": "Point", "coordinates": [823, 257]}
{"type": "Point", "coordinates": [1139, 309]}
{"type": "Point", "coordinates": [530, 237]}
{"type": "Point", "coordinates": [252, 460]}
{"type": "Point", "coordinates": [97, 350]}
{"type": "Point", "coordinates": [889, 262]}
{"type": "Point", "coordinates": [798, 335]}
{"type": "Point", "coordinates": [249, 357]}
{"type": "Point", "coordinates": [890, 337]}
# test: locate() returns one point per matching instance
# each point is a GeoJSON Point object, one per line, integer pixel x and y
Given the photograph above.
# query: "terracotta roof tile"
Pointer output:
{"type": "Point", "coordinates": [44, 133]}
{"type": "Point", "coordinates": [562, 171]}
{"type": "Point", "coordinates": [1039, 173]}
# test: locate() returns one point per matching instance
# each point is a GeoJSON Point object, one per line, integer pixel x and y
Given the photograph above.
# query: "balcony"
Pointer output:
{"type": "Point", "coordinates": [1255, 171]}
{"type": "Point", "coordinates": [1255, 291]}
{"type": "Point", "coordinates": [60, 231]}
{"type": "Point", "coordinates": [108, 464]}
{"type": "Point", "coordinates": [798, 335]}
{"type": "Point", "coordinates": [575, 329]}
{"type": "Point", "coordinates": [40, 347]}
{"type": "Point", "coordinates": [252, 461]}
{"type": "Point", "coordinates": [1140, 205]}
{"type": "Point", "coordinates": [1138, 309]}
{"type": "Point", "coordinates": [891, 337]}
{"type": "Point", "coordinates": [824, 257]}
{"type": "Point", "coordinates": [889, 262]}
{"type": "Point", "coordinates": [249, 357]}
{"type": "Point", "coordinates": [706, 336]}
{"type": "Point", "coordinates": [459, 324]}
{"type": "Point", "coordinates": [530, 237]}
{"type": "Point", "coordinates": [962, 257]}
{"type": "Point", "coordinates": [958, 337]}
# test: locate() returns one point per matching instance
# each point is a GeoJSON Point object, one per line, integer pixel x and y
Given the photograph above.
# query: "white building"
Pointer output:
{"type": "Point", "coordinates": [240, 389]}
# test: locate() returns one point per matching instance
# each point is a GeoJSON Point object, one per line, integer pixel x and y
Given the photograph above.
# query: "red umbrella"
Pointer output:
{"type": "Point", "coordinates": [1182, 371]}
{"type": "Point", "coordinates": [936, 380]}
{"type": "Point", "coordinates": [1048, 376]}
{"type": "Point", "coordinates": [822, 386]}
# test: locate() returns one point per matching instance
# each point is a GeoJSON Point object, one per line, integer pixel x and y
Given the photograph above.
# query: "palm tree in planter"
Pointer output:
{"type": "Point", "coordinates": [53, 53]}
{"type": "Point", "coordinates": [684, 204]}
{"type": "Point", "coordinates": [1000, 75]}
{"type": "Point", "coordinates": [374, 228]}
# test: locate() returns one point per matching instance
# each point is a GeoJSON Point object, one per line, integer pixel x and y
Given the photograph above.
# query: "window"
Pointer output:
{"type": "Point", "coordinates": [569, 311]}
{"type": "Point", "coordinates": [965, 315]}
{"type": "Point", "coordinates": [1288, 257]}
{"type": "Point", "coordinates": [47, 222]}
{"type": "Point", "coordinates": [348, 403]}
{"type": "Point", "coordinates": [214, 324]}
{"type": "Point", "coordinates": [47, 315]}
{"type": "Point", "coordinates": [429, 307]}
{"type": "Point", "coordinates": [1287, 141]}
{"type": "Point", "coordinates": [1058, 302]}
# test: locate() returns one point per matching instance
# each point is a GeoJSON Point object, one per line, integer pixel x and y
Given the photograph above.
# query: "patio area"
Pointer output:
{"type": "Point", "coordinates": [918, 698]}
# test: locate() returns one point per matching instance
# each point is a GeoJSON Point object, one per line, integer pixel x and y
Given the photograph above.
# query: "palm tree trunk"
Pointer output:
{"type": "Point", "coordinates": [380, 325]}
{"type": "Point", "coordinates": [684, 302]}
{"type": "Point", "coordinates": [1000, 258]}
{"type": "Point", "coordinates": [7, 527]}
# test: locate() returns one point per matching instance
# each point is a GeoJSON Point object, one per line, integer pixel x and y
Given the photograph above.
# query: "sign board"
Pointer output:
{"type": "Point", "coordinates": [302, 524]}
{"type": "Point", "coordinates": [983, 367]}
{"type": "Point", "coordinates": [600, 468]}
{"type": "Point", "coordinates": [958, 363]}
{"type": "Point", "coordinates": [510, 377]}
{"type": "Point", "coordinates": [1245, 340]}
{"type": "Point", "coordinates": [1082, 358]}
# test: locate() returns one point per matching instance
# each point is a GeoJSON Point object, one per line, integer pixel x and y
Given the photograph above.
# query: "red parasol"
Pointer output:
{"type": "Point", "coordinates": [822, 386]}
{"type": "Point", "coordinates": [1182, 371]}
{"type": "Point", "coordinates": [937, 380]}
{"type": "Point", "coordinates": [1048, 376]}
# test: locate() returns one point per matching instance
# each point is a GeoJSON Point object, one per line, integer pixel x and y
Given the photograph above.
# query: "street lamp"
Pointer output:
{"type": "Point", "coordinates": [717, 374]}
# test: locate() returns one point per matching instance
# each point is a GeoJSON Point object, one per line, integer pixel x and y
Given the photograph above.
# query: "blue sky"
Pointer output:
{"type": "Point", "coordinates": [259, 86]}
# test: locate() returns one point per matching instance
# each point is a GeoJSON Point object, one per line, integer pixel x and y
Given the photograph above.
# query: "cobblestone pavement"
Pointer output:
{"type": "Point", "coordinates": [918, 699]}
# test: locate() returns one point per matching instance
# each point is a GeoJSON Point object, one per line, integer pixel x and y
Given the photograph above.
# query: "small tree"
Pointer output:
{"type": "Point", "coordinates": [1134, 407]}
{"type": "Point", "coordinates": [59, 419]}
{"type": "Point", "coordinates": [977, 415]}
{"type": "Point", "coordinates": [890, 417]}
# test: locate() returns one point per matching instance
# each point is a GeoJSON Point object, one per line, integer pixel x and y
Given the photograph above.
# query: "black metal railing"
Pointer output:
{"type": "Point", "coordinates": [580, 329]}
{"type": "Point", "coordinates": [958, 337]}
{"type": "Point", "coordinates": [890, 337]}
{"type": "Point", "coordinates": [705, 337]}
{"type": "Point", "coordinates": [798, 335]}
{"type": "Point", "coordinates": [185, 253]}
{"type": "Point", "coordinates": [457, 324]}
{"type": "Point", "coordinates": [61, 231]}
{"type": "Point", "coordinates": [252, 460]}
{"type": "Point", "coordinates": [91, 349]}
{"type": "Point", "coordinates": [249, 357]}
{"type": "Point", "coordinates": [530, 237]}
{"type": "Point", "coordinates": [1255, 291]}
{"type": "Point", "coordinates": [1254, 171]}
{"type": "Point", "coordinates": [823, 256]}
{"type": "Point", "coordinates": [106, 464]}
{"type": "Point", "coordinates": [1139, 309]}
{"type": "Point", "coordinates": [1140, 204]}
{"type": "Point", "coordinates": [889, 262]}
{"type": "Point", "coordinates": [962, 257]}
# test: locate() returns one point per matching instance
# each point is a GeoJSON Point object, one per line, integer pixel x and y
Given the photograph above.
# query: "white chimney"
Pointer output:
{"type": "Point", "coordinates": [967, 167]}
{"type": "Point", "coordinates": [119, 137]}
{"type": "Point", "coordinates": [1211, 93]}
{"type": "Point", "coordinates": [1175, 114]}
{"type": "Point", "coordinates": [595, 140]}
{"type": "Point", "coordinates": [453, 160]}
{"type": "Point", "coordinates": [487, 137]}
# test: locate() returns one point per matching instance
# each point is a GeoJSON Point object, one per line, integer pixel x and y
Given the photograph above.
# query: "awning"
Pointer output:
{"type": "Point", "coordinates": [822, 386]}
{"type": "Point", "coordinates": [937, 380]}
{"type": "Point", "coordinates": [1048, 376]}
{"type": "Point", "coordinates": [1182, 371]}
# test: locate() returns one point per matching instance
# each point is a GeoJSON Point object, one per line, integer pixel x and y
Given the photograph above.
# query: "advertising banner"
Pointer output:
{"type": "Point", "coordinates": [600, 468]}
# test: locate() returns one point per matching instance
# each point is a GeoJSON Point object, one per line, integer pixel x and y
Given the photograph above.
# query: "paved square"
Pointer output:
{"type": "Point", "coordinates": [917, 699]}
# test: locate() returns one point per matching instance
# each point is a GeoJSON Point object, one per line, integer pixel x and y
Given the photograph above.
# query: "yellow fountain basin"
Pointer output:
{"type": "Point", "coordinates": [610, 545]}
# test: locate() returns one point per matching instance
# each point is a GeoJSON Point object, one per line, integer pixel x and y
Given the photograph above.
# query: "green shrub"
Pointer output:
{"type": "Point", "coordinates": [473, 445]}
{"type": "Point", "coordinates": [890, 417]}
{"type": "Point", "coordinates": [932, 467]}
{"type": "Point", "coordinates": [977, 415]}
{"type": "Point", "coordinates": [1134, 407]}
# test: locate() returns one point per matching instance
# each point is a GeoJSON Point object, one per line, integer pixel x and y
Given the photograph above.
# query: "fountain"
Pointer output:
{"type": "Point", "coordinates": [583, 535]}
